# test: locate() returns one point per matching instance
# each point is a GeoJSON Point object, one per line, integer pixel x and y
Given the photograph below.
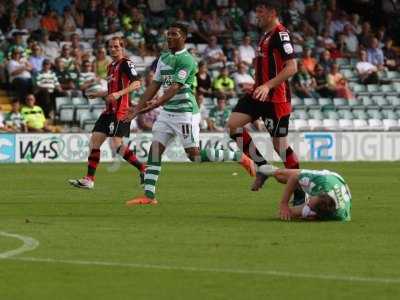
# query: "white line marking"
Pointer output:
{"type": "Point", "coordinates": [216, 270]}
{"type": "Point", "coordinates": [29, 244]}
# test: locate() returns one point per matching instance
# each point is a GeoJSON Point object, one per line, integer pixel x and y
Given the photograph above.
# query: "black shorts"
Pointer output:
{"type": "Point", "coordinates": [277, 127]}
{"type": "Point", "coordinates": [110, 126]}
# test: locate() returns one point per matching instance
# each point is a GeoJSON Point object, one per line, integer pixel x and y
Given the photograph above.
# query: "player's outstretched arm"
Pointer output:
{"type": "Point", "coordinates": [148, 94]}
{"type": "Point", "coordinates": [291, 185]}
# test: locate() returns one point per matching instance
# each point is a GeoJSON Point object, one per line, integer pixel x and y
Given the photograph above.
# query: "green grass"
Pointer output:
{"type": "Point", "coordinates": [206, 222]}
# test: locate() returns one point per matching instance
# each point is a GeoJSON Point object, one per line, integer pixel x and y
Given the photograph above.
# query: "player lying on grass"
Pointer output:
{"type": "Point", "coordinates": [180, 117]}
{"type": "Point", "coordinates": [327, 194]}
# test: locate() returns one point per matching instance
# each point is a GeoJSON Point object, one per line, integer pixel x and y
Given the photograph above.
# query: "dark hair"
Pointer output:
{"type": "Point", "coordinates": [325, 207]}
{"type": "Point", "coordinates": [270, 4]}
{"type": "Point", "coordinates": [181, 27]}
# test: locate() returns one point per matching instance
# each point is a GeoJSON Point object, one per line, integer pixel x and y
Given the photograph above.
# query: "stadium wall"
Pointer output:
{"type": "Point", "coordinates": [311, 146]}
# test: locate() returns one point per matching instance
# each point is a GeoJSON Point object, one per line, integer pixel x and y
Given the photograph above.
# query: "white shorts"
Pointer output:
{"type": "Point", "coordinates": [186, 126]}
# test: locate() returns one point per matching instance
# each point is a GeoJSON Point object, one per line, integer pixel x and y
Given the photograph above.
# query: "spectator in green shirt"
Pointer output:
{"type": "Point", "coordinates": [15, 121]}
{"type": "Point", "coordinates": [219, 115]}
{"type": "Point", "coordinates": [223, 84]}
{"type": "Point", "coordinates": [34, 116]}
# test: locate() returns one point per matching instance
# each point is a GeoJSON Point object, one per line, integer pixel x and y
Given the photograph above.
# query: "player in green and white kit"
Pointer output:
{"type": "Point", "coordinates": [327, 194]}
{"type": "Point", "coordinates": [180, 116]}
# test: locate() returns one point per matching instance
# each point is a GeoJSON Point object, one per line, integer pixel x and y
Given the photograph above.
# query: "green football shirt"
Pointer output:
{"type": "Point", "coordinates": [315, 183]}
{"type": "Point", "coordinates": [179, 67]}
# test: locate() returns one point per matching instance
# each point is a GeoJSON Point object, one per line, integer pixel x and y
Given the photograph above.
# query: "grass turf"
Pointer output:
{"type": "Point", "coordinates": [213, 233]}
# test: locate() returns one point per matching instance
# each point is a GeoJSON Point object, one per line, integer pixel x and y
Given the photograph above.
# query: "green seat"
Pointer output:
{"type": "Point", "coordinates": [300, 114]}
{"type": "Point", "coordinates": [360, 114]}
{"type": "Point", "coordinates": [316, 114]}
{"type": "Point", "coordinates": [374, 114]}
{"type": "Point", "coordinates": [340, 102]}
{"type": "Point", "coordinates": [345, 114]}
{"type": "Point", "coordinates": [332, 115]}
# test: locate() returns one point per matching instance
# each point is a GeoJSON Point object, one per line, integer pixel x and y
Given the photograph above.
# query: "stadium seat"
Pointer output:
{"type": "Point", "coordinates": [373, 88]}
{"type": "Point", "coordinates": [316, 113]}
{"type": "Point", "coordinates": [62, 101]}
{"type": "Point", "coordinates": [297, 103]}
{"type": "Point", "coordinates": [67, 113]}
{"type": "Point", "coordinates": [360, 124]}
{"type": "Point", "coordinates": [355, 103]}
{"type": "Point", "coordinates": [345, 114]}
{"type": "Point", "coordinates": [338, 102]}
{"type": "Point", "coordinates": [310, 102]}
{"type": "Point", "coordinates": [79, 101]}
{"type": "Point", "coordinates": [346, 124]}
{"type": "Point", "coordinates": [389, 113]}
{"type": "Point", "coordinates": [316, 125]}
{"type": "Point", "coordinates": [380, 101]}
{"type": "Point", "coordinates": [374, 114]}
{"type": "Point", "coordinates": [300, 114]}
{"type": "Point", "coordinates": [332, 115]}
{"type": "Point", "coordinates": [393, 101]}
{"type": "Point", "coordinates": [301, 125]}
{"type": "Point", "coordinates": [358, 89]}
{"type": "Point", "coordinates": [388, 90]}
{"type": "Point", "coordinates": [326, 103]}
{"type": "Point", "coordinates": [360, 114]}
{"type": "Point", "coordinates": [330, 124]}
{"type": "Point", "coordinates": [79, 110]}
{"type": "Point", "coordinates": [84, 116]}
{"type": "Point", "coordinates": [367, 101]}
{"type": "Point", "coordinates": [392, 75]}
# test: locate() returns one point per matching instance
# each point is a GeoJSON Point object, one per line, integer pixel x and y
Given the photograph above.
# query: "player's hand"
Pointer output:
{"type": "Point", "coordinates": [284, 212]}
{"type": "Point", "coordinates": [261, 93]}
{"type": "Point", "coordinates": [113, 96]}
{"type": "Point", "coordinates": [130, 115]}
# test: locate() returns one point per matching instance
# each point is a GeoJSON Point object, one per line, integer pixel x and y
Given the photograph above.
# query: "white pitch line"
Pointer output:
{"type": "Point", "coordinates": [217, 270]}
{"type": "Point", "coordinates": [29, 244]}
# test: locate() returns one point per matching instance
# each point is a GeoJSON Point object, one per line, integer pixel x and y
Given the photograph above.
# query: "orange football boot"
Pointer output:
{"type": "Point", "coordinates": [142, 200]}
{"type": "Point", "coordinates": [248, 164]}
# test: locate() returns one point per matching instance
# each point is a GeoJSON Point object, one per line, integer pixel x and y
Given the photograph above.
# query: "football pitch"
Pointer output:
{"type": "Point", "coordinates": [209, 237]}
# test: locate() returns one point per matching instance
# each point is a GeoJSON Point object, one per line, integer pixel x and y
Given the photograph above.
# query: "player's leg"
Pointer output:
{"type": "Point", "coordinates": [128, 155]}
{"type": "Point", "coordinates": [162, 134]}
{"type": "Point", "coordinates": [96, 140]}
{"type": "Point", "coordinates": [286, 152]}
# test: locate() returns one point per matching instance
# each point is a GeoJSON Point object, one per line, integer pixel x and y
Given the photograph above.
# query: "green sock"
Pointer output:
{"type": "Point", "coordinates": [151, 176]}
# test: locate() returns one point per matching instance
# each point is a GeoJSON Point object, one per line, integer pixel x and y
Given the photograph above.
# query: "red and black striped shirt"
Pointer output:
{"type": "Point", "coordinates": [274, 49]}
{"type": "Point", "coordinates": [120, 74]}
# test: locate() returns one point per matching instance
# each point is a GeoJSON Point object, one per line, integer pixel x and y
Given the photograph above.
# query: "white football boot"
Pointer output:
{"type": "Point", "coordinates": [83, 183]}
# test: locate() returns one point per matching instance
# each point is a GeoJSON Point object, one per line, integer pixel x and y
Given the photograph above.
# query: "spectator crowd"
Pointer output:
{"type": "Point", "coordinates": [51, 49]}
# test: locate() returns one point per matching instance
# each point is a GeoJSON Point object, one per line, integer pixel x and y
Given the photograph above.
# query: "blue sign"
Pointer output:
{"type": "Point", "coordinates": [321, 145]}
{"type": "Point", "coordinates": [7, 148]}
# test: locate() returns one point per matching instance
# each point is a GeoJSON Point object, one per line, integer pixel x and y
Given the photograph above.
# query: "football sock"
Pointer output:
{"type": "Point", "coordinates": [130, 157]}
{"type": "Point", "coordinates": [290, 159]}
{"type": "Point", "coordinates": [93, 161]}
{"type": "Point", "coordinates": [217, 155]}
{"type": "Point", "coordinates": [292, 162]}
{"type": "Point", "coordinates": [151, 175]}
{"type": "Point", "coordinates": [246, 144]}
